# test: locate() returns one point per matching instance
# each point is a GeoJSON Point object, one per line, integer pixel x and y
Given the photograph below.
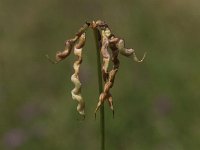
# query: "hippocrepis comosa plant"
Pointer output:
{"type": "Point", "coordinates": [107, 40]}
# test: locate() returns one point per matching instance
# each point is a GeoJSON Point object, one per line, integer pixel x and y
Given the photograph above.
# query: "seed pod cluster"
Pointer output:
{"type": "Point", "coordinates": [108, 41]}
{"type": "Point", "coordinates": [117, 45]}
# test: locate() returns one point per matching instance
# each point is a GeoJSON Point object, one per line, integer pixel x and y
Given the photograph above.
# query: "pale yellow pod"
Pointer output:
{"type": "Point", "coordinates": [76, 92]}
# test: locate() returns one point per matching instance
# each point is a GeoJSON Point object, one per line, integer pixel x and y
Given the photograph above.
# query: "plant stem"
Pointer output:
{"type": "Point", "coordinates": [102, 120]}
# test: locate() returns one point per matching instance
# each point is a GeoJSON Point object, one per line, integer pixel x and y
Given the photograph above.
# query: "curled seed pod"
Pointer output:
{"type": "Point", "coordinates": [76, 92]}
{"type": "Point", "coordinates": [128, 52]}
{"type": "Point", "coordinates": [69, 44]}
{"type": "Point", "coordinates": [106, 92]}
{"type": "Point", "coordinates": [115, 60]}
{"type": "Point", "coordinates": [110, 81]}
{"type": "Point", "coordinates": [68, 48]}
{"type": "Point", "coordinates": [115, 53]}
{"type": "Point", "coordinates": [106, 57]}
{"type": "Point", "coordinates": [61, 55]}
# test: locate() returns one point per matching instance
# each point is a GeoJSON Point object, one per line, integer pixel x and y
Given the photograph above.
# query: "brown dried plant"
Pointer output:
{"type": "Point", "coordinates": [108, 41]}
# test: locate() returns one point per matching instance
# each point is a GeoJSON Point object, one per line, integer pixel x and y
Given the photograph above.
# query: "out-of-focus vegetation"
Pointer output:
{"type": "Point", "coordinates": [157, 102]}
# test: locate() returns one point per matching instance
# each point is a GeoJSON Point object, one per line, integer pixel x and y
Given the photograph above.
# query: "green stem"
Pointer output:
{"type": "Point", "coordinates": [102, 120]}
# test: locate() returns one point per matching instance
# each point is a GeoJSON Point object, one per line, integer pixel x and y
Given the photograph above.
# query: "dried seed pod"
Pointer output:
{"type": "Point", "coordinates": [110, 79]}
{"type": "Point", "coordinates": [128, 52]}
{"type": "Point", "coordinates": [115, 53]}
{"type": "Point", "coordinates": [68, 48]}
{"type": "Point", "coordinates": [106, 92]}
{"type": "Point", "coordinates": [69, 44]}
{"type": "Point", "coordinates": [115, 60]}
{"type": "Point", "coordinates": [106, 57]}
{"type": "Point", "coordinates": [76, 92]}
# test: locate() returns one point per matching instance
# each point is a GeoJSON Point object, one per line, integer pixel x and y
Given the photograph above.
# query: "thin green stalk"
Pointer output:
{"type": "Point", "coordinates": [102, 120]}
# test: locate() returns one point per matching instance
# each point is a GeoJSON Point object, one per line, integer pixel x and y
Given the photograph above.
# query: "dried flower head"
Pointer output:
{"type": "Point", "coordinates": [108, 41]}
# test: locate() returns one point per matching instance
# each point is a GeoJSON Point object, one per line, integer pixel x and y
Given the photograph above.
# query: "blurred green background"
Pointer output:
{"type": "Point", "coordinates": [156, 103]}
